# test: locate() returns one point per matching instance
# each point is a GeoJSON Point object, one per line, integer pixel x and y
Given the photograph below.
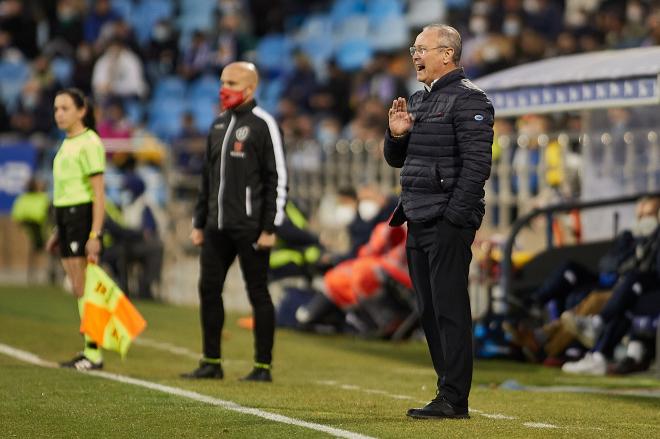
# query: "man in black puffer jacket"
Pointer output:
{"type": "Point", "coordinates": [442, 138]}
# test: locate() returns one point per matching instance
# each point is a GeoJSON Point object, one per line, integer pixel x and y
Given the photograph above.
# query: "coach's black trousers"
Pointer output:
{"type": "Point", "coordinates": [219, 250]}
{"type": "Point", "coordinates": [439, 256]}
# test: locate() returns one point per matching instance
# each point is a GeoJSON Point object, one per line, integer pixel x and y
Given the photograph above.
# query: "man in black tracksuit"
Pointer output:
{"type": "Point", "coordinates": [241, 202]}
{"type": "Point", "coordinates": [442, 138]}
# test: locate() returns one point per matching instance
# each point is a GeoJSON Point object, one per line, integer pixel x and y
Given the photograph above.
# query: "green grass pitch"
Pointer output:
{"type": "Point", "coordinates": [363, 387]}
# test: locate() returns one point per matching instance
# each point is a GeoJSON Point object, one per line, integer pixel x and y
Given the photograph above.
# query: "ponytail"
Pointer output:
{"type": "Point", "coordinates": [79, 100]}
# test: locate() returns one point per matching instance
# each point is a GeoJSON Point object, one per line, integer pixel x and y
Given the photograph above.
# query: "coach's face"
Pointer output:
{"type": "Point", "coordinates": [431, 56]}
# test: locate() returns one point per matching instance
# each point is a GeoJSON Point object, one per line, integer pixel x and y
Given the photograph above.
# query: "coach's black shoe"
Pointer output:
{"type": "Point", "coordinates": [205, 370]}
{"type": "Point", "coordinates": [439, 408]}
{"type": "Point", "coordinates": [258, 374]}
{"type": "Point", "coordinates": [80, 362]}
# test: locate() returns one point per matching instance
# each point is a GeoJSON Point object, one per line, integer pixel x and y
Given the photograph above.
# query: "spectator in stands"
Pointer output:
{"type": "Point", "coordinates": [378, 81]}
{"type": "Point", "coordinates": [189, 147]}
{"type": "Point", "coordinates": [118, 72]}
{"type": "Point", "coordinates": [162, 52]}
{"type": "Point", "coordinates": [328, 97]}
{"type": "Point", "coordinates": [113, 122]}
{"type": "Point", "coordinates": [653, 25]}
{"type": "Point", "coordinates": [66, 27]}
{"type": "Point", "coordinates": [4, 118]}
{"type": "Point", "coordinates": [84, 68]}
{"type": "Point", "coordinates": [368, 122]}
{"type": "Point", "coordinates": [230, 40]}
{"type": "Point", "coordinates": [300, 83]}
{"type": "Point", "coordinates": [34, 112]}
{"type": "Point", "coordinates": [100, 14]}
{"type": "Point", "coordinates": [196, 58]}
{"type": "Point", "coordinates": [17, 20]}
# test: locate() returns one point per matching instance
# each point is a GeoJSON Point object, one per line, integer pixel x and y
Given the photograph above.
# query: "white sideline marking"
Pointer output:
{"type": "Point", "coordinates": [28, 357]}
{"type": "Point", "coordinates": [539, 425]}
{"type": "Point", "coordinates": [177, 350]}
{"type": "Point", "coordinates": [497, 416]}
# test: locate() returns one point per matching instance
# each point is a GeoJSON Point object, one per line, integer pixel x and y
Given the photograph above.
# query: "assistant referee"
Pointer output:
{"type": "Point", "coordinates": [79, 200]}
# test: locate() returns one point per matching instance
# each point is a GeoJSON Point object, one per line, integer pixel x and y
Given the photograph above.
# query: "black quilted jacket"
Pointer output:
{"type": "Point", "coordinates": [446, 157]}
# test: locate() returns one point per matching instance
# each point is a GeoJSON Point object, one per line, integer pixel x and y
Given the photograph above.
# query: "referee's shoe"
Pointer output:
{"type": "Point", "coordinates": [81, 362]}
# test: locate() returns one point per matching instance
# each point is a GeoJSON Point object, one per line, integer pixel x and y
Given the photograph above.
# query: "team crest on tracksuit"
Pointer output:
{"type": "Point", "coordinates": [242, 133]}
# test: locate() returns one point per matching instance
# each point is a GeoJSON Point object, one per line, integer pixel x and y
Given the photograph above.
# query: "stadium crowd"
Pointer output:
{"type": "Point", "coordinates": [137, 58]}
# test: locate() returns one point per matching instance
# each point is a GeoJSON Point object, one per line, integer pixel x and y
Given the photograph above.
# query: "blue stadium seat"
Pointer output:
{"type": "Point", "coordinates": [62, 69]}
{"type": "Point", "coordinates": [354, 54]}
{"type": "Point", "coordinates": [12, 78]}
{"type": "Point", "coordinates": [342, 9]}
{"type": "Point", "coordinates": [204, 111]}
{"type": "Point", "coordinates": [170, 87]}
{"type": "Point", "coordinates": [274, 53]}
{"type": "Point", "coordinates": [134, 111]}
{"type": "Point", "coordinates": [390, 33]}
{"type": "Point", "coordinates": [315, 26]}
{"type": "Point", "coordinates": [423, 12]}
{"type": "Point", "coordinates": [165, 117]}
{"type": "Point", "coordinates": [206, 87]}
{"type": "Point", "coordinates": [197, 20]}
{"type": "Point", "coordinates": [146, 14]}
{"type": "Point", "coordinates": [269, 93]}
{"type": "Point", "coordinates": [380, 9]}
{"type": "Point", "coordinates": [123, 8]}
{"type": "Point", "coordinates": [318, 49]}
{"type": "Point", "coordinates": [198, 6]}
{"type": "Point", "coordinates": [354, 26]}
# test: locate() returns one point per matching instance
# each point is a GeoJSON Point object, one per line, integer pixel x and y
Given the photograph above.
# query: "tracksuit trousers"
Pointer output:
{"type": "Point", "coordinates": [219, 250]}
{"type": "Point", "coordinates": [439, 256]}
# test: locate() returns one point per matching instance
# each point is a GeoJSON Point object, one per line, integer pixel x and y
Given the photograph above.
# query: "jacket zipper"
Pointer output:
{"type": "Point", "coordinates": [223, 160]}
{"type": "Point", "coordinates": [248, 201]}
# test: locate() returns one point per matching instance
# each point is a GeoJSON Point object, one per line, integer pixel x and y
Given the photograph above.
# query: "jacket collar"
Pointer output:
{"type": "Point", "coordinates": [245, 107]}
{"type": "Point", "coordinates": [455, 75]}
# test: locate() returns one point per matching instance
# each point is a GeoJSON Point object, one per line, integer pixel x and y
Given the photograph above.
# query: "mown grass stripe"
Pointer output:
{"type": "Point", "coordinates": [29, 357]}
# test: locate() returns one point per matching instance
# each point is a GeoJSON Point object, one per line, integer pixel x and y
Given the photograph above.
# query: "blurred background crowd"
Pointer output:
{"type": "Point", "coordinates": [329, 67]}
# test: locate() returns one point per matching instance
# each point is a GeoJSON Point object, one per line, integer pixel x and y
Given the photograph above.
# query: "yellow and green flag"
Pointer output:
{"type": "Point", "coordinates": [109, 318]}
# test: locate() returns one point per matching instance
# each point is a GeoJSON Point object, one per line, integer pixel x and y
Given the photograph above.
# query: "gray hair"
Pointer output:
{"type": "Point", "coordinates": [448, 36]}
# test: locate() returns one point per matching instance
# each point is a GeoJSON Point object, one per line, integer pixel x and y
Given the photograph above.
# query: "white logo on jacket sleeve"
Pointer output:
{"type": "Point", "coordinates": [478, 117]}
{"type": "Point", "coordinates": [242, 133]}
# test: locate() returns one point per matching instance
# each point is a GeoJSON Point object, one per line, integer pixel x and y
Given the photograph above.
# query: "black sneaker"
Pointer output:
{"type": "Point", "coordinates": [258, 374]}
{"type": "Point", "coordinates": [205, 370]}
{"type": "Point", "coordinates": [80, 362]}
{"type": "Point", "coordinates": [627, 366]}
{"type": "Point", "coordinates": [439, 408]}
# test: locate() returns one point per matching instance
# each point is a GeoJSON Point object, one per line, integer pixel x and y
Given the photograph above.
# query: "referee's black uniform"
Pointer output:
{"type": "Point", "coordinates": [243, 193]}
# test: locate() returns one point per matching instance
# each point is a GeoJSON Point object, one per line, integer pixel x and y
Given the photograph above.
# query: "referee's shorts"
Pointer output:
{"type": "Point", "coordinates": [73, 226]}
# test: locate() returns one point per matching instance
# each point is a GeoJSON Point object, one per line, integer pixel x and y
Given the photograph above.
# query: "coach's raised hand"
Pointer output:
{"type": "Point", "coordinates": [400, 120]}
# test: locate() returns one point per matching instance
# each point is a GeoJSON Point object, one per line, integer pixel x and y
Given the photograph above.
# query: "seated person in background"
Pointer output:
{"type": "Point", "coordinates": [297, 250]}
{"type": "Point", "coordinates": [573, 282]}
{"type": "Point", "coordinates": [361, 211]}
{"type": "Point", "coordinates": [637, 294]}
{"type": "Point", "coordinates": [358, 286]}
{"type": "Point", "coordinates": [136, 240]}
{"type": "Point", "coordinates": [30, 210]}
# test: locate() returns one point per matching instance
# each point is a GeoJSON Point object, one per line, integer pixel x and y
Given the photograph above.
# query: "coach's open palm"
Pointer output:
{"type": "Point", "coordinates": [399, 119]}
